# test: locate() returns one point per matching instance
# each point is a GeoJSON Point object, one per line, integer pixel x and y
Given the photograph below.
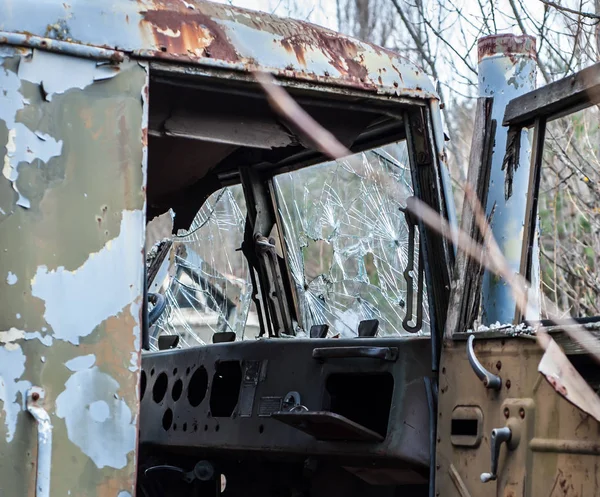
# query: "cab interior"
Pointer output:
{"type": "Point", "coordinates": [293, 353]}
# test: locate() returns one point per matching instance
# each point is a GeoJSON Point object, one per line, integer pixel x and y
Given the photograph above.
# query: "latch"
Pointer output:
{"type": "Point", "coordinates": [409, 277]}
{"type": "Point", "coordinates": [35, 398]}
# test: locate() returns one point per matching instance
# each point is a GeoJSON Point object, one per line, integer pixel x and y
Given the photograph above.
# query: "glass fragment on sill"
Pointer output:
{"type": "Point", "coordinates": [347, 242]}
{"type": "Point", "coordinates": [208, 288]}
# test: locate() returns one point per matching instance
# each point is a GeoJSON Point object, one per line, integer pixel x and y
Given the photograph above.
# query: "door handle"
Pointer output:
{"type": "Point", "coordinates": [490, 380]}
{"type": "Point", "coordinates": [381, 353]}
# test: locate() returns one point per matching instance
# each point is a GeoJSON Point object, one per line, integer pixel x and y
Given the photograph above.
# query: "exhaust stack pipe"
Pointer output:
{"type": "Point", "coordinates": [507, 69]}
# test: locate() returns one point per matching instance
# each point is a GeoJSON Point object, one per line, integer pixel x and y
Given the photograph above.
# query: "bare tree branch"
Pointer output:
{"type": "Point", "coordinates": [562, 8]}
{"type": "Point", "coordinates": [416, 39]}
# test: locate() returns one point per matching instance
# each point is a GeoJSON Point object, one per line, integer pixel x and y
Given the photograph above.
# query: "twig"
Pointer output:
{"type": "Point", "coordinates": [589, 15]}
{"type": "Point", "coordinates": [417, 40]}
{"type": "Point", "coordinates": [287, 107]}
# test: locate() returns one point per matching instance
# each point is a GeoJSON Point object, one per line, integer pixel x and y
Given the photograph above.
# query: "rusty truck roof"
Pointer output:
{"type": "Point", "coordinates": [213, 35]}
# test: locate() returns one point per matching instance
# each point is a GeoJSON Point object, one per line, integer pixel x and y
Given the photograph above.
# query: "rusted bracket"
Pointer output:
{"type": "Point", "coordinates": [262, 257]}
{"type": "Point", "coordinates": [278, 309]}
{"type": "Point", "coordinates": [35, 396]}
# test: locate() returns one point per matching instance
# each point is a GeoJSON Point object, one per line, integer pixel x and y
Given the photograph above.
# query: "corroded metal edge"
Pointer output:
{"type": "Point", "coordinates": [218, 36]}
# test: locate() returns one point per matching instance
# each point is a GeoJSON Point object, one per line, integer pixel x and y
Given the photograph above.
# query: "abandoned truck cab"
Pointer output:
{"type": "Point", "coordinates": [279, 338]}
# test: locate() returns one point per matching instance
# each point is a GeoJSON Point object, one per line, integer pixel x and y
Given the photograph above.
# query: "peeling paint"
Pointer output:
{"type": "Point", "coordinates": [40, 69]}
{"type": "Point", "coordinates": [169, 32]}
{"type": "Point", "coordinates": [24, 145]}
{"type": "Point", "coordinates": [135, 310]}
{"type": "Point", "coordinates": [76, 300]}
{"type": "Point", "coordinates": [12, 367]}
{"type": "Point", "coordinates": [97, 421]}
{"type": "Point", "coordinates": [95, 417]}
{"type": "Point", "coordinates": [99, 411]}
{"type": "Point", "coordinates": [8, 338]}
{"type": "Point", "coordinates": [81, 362]}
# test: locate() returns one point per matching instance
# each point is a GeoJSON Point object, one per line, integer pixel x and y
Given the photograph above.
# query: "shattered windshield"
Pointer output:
{"type": "Point", "coordinates": [208, 287]}
{"type": "Point", "coordinates": [352, 252]}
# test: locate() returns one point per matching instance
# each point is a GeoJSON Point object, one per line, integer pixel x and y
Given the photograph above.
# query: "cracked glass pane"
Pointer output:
{"type": "Point", "coordinates": [208, 287]}
{"type": "Point", "coordinates": [348, 243]}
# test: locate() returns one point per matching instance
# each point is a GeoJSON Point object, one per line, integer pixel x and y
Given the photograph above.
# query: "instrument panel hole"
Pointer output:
{"type": "Point", "coordinates": [167, 419]}
{"type": "Point", "coordinates": [197, 387]}
{"type": "Point", "coordinates": [225, 388]}
{"type": "Point", "coordinates": [176, 390]}
{"type": "Point", "coordinates": [365, 398]}
{"type": "Point", "coordinates": [143, 382]}
{"type": "Point", "coordinates": [160, 387]}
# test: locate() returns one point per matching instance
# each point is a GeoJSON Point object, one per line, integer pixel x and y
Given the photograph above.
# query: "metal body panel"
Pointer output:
{"type": "Point", "coordinates": [72, 199]}
{"type": "Point", "coordinates": [557, 453]}
{"type": "Point", "coordinates": [217, 36]}
{"type": "Point", "coordinates": [250, 428]}
{"type": "Point", "coordinates": [507, 68]}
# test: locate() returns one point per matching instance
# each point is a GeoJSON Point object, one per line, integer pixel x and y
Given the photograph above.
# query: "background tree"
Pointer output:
{"type": "Point", "coordinates": [441, 36]}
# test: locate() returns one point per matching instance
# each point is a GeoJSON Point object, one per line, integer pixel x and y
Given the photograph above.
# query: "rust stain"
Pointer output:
{"type": "Point", "coordinates": [109, 487]}
{"type": "Point", "coordinates": [86, 116]}
{"type": "Point", "coordinates": [123, 150]}
{"type": "Point", "coordinates": [508, 45]}
{"type": "Point", "coordinates": [194, 35]}
{"type": "Point", "coordinates": [399, 75]}
{"type": "Point", "coordinates": [563, 486]}
{"type": "Point", "coordinates": [113, 356]}
{"type": "Point", "coordinates": [343, 54]}
{"type": "Point", "coordinates": [557, 385]}
{"type": "Point", "coordinates": [98, 133]}
{"type": "Point", "coordinates": [296, 48]}
{"type": "Point", "coordinates": [191, 33]}
{"type": "Point", "coordinates": [146, 91]}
